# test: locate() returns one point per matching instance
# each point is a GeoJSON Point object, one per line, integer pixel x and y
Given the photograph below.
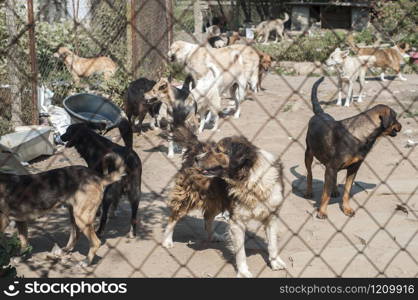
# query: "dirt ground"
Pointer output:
{"type": "Point", "coordinates": [379, 241]}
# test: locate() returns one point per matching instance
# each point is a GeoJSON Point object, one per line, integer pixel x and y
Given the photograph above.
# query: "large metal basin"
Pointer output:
{"type": "Point", "coordinates": [97, 111]}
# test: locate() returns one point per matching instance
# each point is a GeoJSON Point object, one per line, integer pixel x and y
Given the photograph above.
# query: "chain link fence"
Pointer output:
{"type": "Point", "coordinates": [135, 37]}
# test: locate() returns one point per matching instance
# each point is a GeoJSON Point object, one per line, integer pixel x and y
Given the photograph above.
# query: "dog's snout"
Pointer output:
{"type": "Point", "coordinates": [198, 158]}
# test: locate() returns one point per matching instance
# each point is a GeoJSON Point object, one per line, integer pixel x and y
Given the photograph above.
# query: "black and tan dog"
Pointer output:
{"type": "Point", "coordinates": [135, 104]}
{"type": "Point", "coordinates": [342, 145]}
{"type": "Point", "coordinates": [93, 148]}
{"type": "Point", "coordinates": [24, 198]}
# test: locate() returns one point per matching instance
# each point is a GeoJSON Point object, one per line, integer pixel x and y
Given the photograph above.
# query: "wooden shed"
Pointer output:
{"type": "Point", "coordinates": [342, 14]}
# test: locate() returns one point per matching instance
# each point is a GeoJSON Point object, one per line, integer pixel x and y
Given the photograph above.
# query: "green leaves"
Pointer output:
{"type": "Point", "coordinates": [9, 247]}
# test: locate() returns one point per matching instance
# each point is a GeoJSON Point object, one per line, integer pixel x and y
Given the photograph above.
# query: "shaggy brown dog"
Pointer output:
{"type": "Point", "coordinates": [231, 175]}
{"type": "Point", "coordinates": [24, 198]}
{"type": "Point", "coordinates": [85, 67]}
{"type": "Point", "coordinates": [342, 145]}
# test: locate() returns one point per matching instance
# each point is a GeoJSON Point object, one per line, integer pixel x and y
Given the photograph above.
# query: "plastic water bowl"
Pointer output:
{"type": "Point", "coordinates": [96, 111]}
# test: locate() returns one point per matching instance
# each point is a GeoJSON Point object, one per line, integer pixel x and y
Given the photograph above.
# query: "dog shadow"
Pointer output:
{"type": "Point", "coordinates": [190, 230]}
{"type": "Point", "coordinates": [377, 78]}
{"type": "Point", "coordinates": [299, 187]}
{"type": "Point", "coordinates": [55, 228]}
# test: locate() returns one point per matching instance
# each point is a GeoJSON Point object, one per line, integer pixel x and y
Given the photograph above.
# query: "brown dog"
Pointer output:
{"type": "Point", "coordinates": [342, 145]}
{"type": "Point", "coordinates": [85, 67]}
{"type": "Point", "coordinates": [24, 198]}
{"type": "Point", "coordinates": [264, 67]}
{"type": "Point", "coordinates": [391, 58]}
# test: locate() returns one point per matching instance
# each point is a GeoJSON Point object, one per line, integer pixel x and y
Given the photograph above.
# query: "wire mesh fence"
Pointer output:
{"type": "Point", "coordinates": [200, 157]}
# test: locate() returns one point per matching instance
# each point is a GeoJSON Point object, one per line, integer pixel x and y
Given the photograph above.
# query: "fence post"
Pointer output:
{"type": "Point", "coordinates": [169, 9]}
{"type": "Point", "coordinates": [33, 65]}
{"type": "Point", "coordinates": [198, 20]}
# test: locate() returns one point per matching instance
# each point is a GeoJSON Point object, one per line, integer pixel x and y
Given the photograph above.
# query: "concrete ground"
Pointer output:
{"type": "Point", "coordinates": [380, 240]}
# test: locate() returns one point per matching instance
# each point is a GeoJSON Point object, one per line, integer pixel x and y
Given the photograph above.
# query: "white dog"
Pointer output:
{"type": "Point", "coordinates": [209, 89]}
{"type": "Point", "coordinates": [349, 68]}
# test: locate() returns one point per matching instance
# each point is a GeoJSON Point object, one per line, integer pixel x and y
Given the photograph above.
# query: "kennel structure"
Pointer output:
{"type": "Point", "coordinates": [350, 15]}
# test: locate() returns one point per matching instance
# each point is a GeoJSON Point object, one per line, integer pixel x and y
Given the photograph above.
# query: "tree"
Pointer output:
{"type": "Point", "coordinates": [13, 71]}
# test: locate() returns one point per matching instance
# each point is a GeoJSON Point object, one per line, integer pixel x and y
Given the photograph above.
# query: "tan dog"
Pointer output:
{"type": "Point", "coordinates": [264, 28]}
{"type": "Point", "coordinates": [391, 58]}
{"type": "Point", "coordinates": [85, 67]}
{"type": "Point", "coordinates": [25, 198]}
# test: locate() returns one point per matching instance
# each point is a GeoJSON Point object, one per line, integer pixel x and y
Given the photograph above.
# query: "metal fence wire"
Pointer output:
{"type": "Point", "coordinates": [44, 42]}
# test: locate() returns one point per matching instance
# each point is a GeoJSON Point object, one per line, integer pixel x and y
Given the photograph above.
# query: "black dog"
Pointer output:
{"type": "Point", "coordinates": [135, 104]}
{"type": "Point", "coordinates": [342, 145]}
{"type": "Point", "coordinates": [93, 147]}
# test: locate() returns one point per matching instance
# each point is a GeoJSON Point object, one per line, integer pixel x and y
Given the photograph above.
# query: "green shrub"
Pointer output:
{"type": "Point", "coordinates": [183, 19]}
{"type": "Point", "coordinates": [305, 48]}
{"type": "Point", "coordinates": [366, 36]}
{"type": "Point", "coordinates": [9, 247]}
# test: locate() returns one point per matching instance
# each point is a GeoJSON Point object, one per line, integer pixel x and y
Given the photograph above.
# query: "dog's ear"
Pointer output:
{"type": "Point", "coordinates": [73, 135]}
{"type": "Point", "coordinates": [241, 154]}
{"type": "Point", "coordinates": [163, 86]}
{"type": "Point", "coordinates": [345, 53]}
{"type": "Point", "coordinates": [387, 118]}
{"type": "Point", "coordinates": [404, 46]}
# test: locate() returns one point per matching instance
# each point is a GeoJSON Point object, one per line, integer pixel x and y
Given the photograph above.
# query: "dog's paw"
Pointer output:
{"type": "Point", "coordinates": [349, 212]}
{"type": "Point", "coordinates": [244, 274]}
{"type": "Point", "coordinates": [277, 264]}
{"type": "Point", "coordinates": [335, 194]}
{"type": "Point", "coordinates": [84, 263]}
{"type": "Point", "coordinates": [168, 244]}
{"type": "Point", "coordinates": [321, 216]}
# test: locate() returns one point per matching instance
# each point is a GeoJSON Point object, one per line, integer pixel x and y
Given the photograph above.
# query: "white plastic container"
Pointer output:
{"type": "Point", "coordinates": [249, 33]}
{"type": "Point", "coordinates": [29, 142]}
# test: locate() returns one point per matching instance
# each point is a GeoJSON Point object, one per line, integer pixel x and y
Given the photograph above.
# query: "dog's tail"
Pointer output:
{"type": "Point", "coordinates": [113, 168]}
{"type": "Point", "coordinates": [352, 44]}
{"type": "Point", "coordinates": [286, 17]}
{"type": "Point", "coordinates": [317, 109]}
{"type": "Point", "coordinates": [186, 85]}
